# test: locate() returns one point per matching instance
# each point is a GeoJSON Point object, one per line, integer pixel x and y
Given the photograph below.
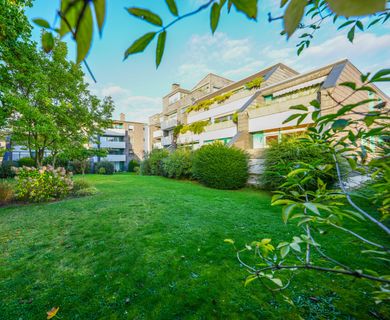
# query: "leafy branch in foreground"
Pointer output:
{"type": "Point", "coordinates": [357, 137]}
{"type": "Point", "coordinates": [77, 18]}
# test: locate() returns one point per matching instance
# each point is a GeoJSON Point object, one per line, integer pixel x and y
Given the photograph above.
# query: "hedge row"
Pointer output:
{"type": "Point", "coordinates": [214, 165]}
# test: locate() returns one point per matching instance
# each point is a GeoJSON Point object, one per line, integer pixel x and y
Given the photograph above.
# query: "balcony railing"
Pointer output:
{"type": "Point", "coordinates": [220, 125]}
{"type": "Point", "coordinates": [157, 134]}
{"type": "Point", "coordinates": [113, 144]}
{"type": "Point", "coordinates": [168, 124]}
{"type": "Point", "coordinates": [166, 141]}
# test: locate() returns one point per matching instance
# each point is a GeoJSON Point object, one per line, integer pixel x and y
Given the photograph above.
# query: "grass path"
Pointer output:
{"type": "Point", "coordinates": [152, 248]}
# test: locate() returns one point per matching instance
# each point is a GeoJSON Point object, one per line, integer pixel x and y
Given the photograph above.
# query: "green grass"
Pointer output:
{"type": "Point", "coordinates": [152, 248]}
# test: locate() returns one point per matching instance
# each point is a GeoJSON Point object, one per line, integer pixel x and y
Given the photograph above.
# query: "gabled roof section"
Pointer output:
{"type": "Point", "coordinates": [211, 77]}
{"type": "Point", "coordinates": [265, 73]}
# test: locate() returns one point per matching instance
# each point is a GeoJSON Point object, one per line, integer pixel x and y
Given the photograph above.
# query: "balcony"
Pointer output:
{"type": "Point", "coordinates": [115, 132]}
{"type": "Point", "coordinates": [188, 138]}
{"type": "Point", "coordinates": [168, 124]}
{"type": "Point", "coordinates": [157, 134]}
{"type": "Point", "coordinates": [113, 144]}
{"type": "Point", "coordinates": [166, 141]}
{"type": "Point", "coordinates": [115, 157]}
{"type": "Point", "coordinates": [157, 145]}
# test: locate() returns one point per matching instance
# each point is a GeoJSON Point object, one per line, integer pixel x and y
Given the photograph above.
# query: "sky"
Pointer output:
{"type": "Point", "coordinates": [239, 48]}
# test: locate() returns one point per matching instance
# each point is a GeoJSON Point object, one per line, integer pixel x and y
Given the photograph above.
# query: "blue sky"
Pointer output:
{"type": "Point", "coordinates": [239, 48]}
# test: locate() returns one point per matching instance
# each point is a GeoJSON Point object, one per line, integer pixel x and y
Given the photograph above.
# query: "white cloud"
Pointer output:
{"type": "Point", "coordinates": [135, 107]}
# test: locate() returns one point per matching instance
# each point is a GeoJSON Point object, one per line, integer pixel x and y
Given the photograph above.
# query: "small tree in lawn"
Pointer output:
{"type": "Point", "coordinates": [83, 154]}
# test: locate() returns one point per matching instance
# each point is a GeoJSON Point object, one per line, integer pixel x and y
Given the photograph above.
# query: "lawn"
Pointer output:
{"type": "Point", "coordinates": [152, 248]}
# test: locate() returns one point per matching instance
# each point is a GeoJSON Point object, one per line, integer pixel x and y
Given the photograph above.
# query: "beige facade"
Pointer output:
{"type": "Point", "coordinates": [251, 117]}
{"type": "Point", "coordinates": [125, 141]}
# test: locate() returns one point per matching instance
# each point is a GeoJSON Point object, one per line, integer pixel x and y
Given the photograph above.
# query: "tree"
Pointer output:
{"type": "Point", "coordinates": [51, 101]}
{"type": "Point", "coordinates": [305, 15]}
{"type": "Point", "coordinates": [15, 30]}
{"type": "Point", "coordinates": [79, 153]}
{"type": "Point", "coordinates": [351, 133]}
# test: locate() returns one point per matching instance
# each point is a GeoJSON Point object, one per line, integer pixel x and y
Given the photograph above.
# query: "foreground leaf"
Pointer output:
{"type": "Point", "coordinates": [146, 15]}
{"type": "Point", "coordinates": [214, 16]}
{"type": "Point", "coordinates": [293, 15]}
{"type": "Point", "coordinates": [350, 8]}
{"type": "Point", "coordinates": [160, 47]}
{"type": "Point", "coordinates": [100, 11]}
{"type": "Point", "coordinates": [47, 42]}
{"type": "Point", "coordinates": [172, 7]}
{"type": "Point", "coordinates": [140, 44]}
{"type": "Point", "coordinates": [84, 34]}
{"type": "Point", "coordinates": [249, 7]}
{"type": "Point", "coordinates": [42, 23]}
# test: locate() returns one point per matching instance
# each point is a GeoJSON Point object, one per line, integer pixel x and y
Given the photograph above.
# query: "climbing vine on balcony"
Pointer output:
{"type": "Point", "coordinates": [205, 104]}
{"type": "Point", "coordinates": [195, 127]}
{"type": "Point", "coordinates": [255, 83]}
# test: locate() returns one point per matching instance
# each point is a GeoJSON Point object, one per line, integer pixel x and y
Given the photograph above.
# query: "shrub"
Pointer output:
{"type": "Point", "coordinates": [27, 162]}
{"type": "Point", "coordinates": [6, 193]}
{"type": "Point", "coordinates": [219, 166]}
{"type": "Point", "coordinates": [137, 170]}
{"type": "Point", "coordinates": [178, 165]}
{"type": "Point", "coordinates": [79, 167]}
{"type": "Point", "coordinates": [281, 158]}
{"type": "Point", "coordinates": [144, 168]}
{"type": "Point", "coordinates": [132, 165]}
{"type": "Point", "coordinates": [106, 165]}
{"type": "Point", "coordinates": [6, 169]}
{"type": "Point", "coordinates": [80, 185]}
{"type": "Point", "coordinates": [156, 158]}
{"type": "Point", "coordinates": [86, 192]}
{"type": "Point", "coordinates": [37, 185]}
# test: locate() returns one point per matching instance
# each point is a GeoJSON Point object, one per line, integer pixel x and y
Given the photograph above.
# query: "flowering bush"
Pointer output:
{"type": "Point", "coordinates": [37, 185]}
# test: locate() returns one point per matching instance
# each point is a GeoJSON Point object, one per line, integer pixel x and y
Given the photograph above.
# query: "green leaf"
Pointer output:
{"type": "Point", "coordinates": [351, 85]}
{"type": "Point", "coordinates": [47, 42]}
{"type": "Point", "coordinates": [249, 279]}
{"type": "Point", "coordinates": [299, 107]}
{"type": "Point", "coordinates": [42, 23]}
{"type": "Point", "coordinates": [214, 16]}
{"type": "Point", "coordinates": [345, 24]}
{"type": "Point", "coordinates": [312, 207]}
{"type": "Point", "coordinates": [283, 3]}
{"type": "Point", "coordinates": [140, 44]}
{"type": "Point", "coordinates": [351, 34]}
{"type": "Point", "coordinates": [340, 124]}
{"type": "Point", "coordinates": [284, 251]}
{"type": "Point", "coordinates": [147, 15]}
{"type": "Point", "coordinates": [350, 8]}
{"type": "Point", "coordinates": [359, 24]}
{"type": "Point", "coordinates": [292, 117]}
{"type": "Point", "coordinates": [100, 12]}
{"type": "Point", "coordinates": [295, 246]}
{"type": "Point", "coordinates": [229, 241]}
{"type": "Point", "coordinates": [302, 117]}
{"type": "Point", "coordinates": [172, 7]}
{"type": "Point", "coordinates": [160, 47]}
{"type": "Point", "coordinates": [70, 11]}
{"type": "Point", "coordinates": [293, 15]}
{"type": "Point", "coordinates": [381, 76]}
{"type": "Point", "coordinates": [277, 281]}
{"type": "Point", "coordinates": [84, 34]}
{"type": "Point", "coordinates": [249, 7]}
{"type": "Point", "coordinates": [286, 212]}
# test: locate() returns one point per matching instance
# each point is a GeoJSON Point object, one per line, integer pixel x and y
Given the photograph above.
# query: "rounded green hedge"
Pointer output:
{"type": "Point", "coordinates": [221, 167]}
{"type": "Point", "coordinates": [106, 165]}
{"type": "Point", "coordinates": [178, 165]}
{"type": "Point", "coordinates": [282, 157]}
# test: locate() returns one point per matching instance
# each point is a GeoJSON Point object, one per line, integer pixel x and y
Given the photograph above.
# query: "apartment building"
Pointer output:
{"type": "Point", "coordinates": [249, 113]}
{"type": "Point", "coordinates": [125, 141]}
